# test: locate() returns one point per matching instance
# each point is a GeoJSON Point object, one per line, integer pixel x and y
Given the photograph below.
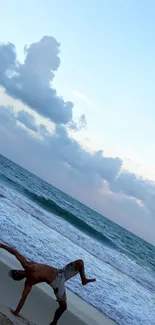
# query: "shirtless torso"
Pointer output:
{"type": "Point", "coordinates": [37, 273]}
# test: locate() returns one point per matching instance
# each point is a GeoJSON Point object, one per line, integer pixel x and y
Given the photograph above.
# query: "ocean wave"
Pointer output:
{"type": "Point", "coordinates": [51, 206]}
{"type": "Point", "coordinates": [7, 178]}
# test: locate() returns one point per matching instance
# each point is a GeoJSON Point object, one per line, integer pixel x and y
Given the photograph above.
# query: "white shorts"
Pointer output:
{"type": "Point", "coordinates": [63, 275]}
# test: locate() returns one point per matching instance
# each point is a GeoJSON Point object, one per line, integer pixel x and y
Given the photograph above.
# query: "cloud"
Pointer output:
{"type": "Point", "coordinates": [130, 185]}
{"type": "Point", "coordinates": [28, 120]}
{"type": "Point", "coordinates": [31, 82]}
{"type": "Point", "coordinates": [80, 124]}
{"type": "Point", "coordinates": [90, 164]}
{"type": "Point", "coordinates": [83, 97]}
{"type": "Point", "coordinates": [69, 151]}
{"type": "Point", "coordinates": [133, 186]}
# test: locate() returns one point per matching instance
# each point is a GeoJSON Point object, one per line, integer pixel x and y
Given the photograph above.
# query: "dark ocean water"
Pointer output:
{"type": "Point", "coordinates": [49, 226]}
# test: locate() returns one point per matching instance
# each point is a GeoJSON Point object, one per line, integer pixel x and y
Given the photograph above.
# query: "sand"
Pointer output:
{"type": "Point", "coordinates": [41, 305]}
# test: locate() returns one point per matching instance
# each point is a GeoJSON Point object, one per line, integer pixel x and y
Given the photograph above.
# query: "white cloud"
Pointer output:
{"type": "Point", "coordinates": [31, 82]}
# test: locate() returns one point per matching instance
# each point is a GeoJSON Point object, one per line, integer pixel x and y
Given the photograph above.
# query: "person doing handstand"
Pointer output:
{"type": "Point", "coordinates": [35, 273]}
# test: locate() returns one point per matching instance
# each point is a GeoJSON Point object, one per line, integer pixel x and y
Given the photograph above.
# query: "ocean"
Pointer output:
{"type": "Point", "coordinates": [48, 226]}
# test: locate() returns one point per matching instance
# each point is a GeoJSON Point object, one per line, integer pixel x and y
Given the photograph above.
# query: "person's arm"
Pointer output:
{"type": "Point", "coordinates": [25, 293]}
{"type": "Point", "coordinates": [14, 252]}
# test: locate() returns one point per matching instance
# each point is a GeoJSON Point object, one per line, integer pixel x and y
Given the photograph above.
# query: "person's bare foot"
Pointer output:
{"type": "Point", "coordinates": [86, 281]}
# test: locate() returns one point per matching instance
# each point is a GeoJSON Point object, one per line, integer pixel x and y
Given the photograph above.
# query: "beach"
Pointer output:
{"type": "Point", "coordinates": [41, 304]}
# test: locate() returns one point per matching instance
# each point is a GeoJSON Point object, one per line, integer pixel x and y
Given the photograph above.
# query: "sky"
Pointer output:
{"type": "Point", "coordinates": [77, 101]}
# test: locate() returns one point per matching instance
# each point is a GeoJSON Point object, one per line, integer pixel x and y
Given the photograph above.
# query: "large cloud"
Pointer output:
{"type": "Point", "coordinates": [67, 149]}
{"type": "Point", "coordinates": [31, 82]}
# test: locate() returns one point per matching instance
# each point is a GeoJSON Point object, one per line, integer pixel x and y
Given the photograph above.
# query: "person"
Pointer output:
{"type": "Point", "coordinates": [34, 273]}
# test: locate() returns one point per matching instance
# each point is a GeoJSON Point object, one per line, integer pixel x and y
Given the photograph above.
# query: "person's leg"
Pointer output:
{"type": "Point", "coordinates": [74, 268]}
{"type": "Point", "coordinates": [59, 290]}
{"type": "Point", "coordinates": [59, 312]}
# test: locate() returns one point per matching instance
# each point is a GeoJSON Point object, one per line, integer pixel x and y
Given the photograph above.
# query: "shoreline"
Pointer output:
{"type": "Point", "coordinates": [41, 304]}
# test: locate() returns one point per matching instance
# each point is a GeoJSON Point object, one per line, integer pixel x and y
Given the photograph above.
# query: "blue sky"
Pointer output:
{"type": "Point", "coordinates": [107, 69]}
{"type": "Point", "coordinates": [107, 54]}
